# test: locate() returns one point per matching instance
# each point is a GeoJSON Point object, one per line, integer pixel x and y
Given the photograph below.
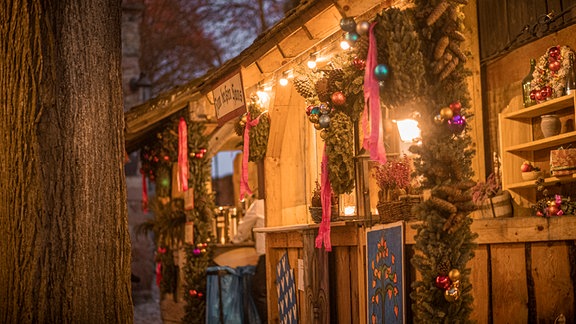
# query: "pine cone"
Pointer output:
{"type": "Point", "coordinates": [322, 90]}
{"type": "Point", "coordinates": [443, 267]}
{"type": "Point", "coordinates": [335, 76]}
{"type": "Point", "coordinates": [304, 87]}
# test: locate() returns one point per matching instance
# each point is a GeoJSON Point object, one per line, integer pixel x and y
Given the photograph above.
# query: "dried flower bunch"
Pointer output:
{"type": "Point", "coordinates": [394, 178]}
{"type": "Point", "coordinates": [483, 191]}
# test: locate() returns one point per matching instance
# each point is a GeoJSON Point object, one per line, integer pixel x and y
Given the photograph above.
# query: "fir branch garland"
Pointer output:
{"type": "Point", "coordinates": [339, 147]}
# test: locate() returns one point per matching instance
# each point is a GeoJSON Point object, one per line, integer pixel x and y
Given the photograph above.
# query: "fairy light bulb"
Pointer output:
{"type": "Point", "coordinates": [312, 61]}
{"type": "Point", "coordinates": [344, 45]}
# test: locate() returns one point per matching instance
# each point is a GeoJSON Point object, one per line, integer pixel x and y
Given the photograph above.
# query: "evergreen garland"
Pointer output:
{"type": "Point", "coordinates": [444, 241]}
{"type": "Point", "coordinates": [198, 255]}
{"type": "Point", "coordinates": [339, 147]}
{"type": "Point", "coordinates": [398, 45]}
{"type": "Point", "coordinates": [259, 133]}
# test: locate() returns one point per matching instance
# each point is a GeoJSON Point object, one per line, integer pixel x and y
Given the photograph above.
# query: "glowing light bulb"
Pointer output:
{"type": "Point", "coordinates": [344, 45]}
{"type": "Point", "coordinates": [312, 61]}
{"type": "Point", "coordinates": [283, 81]}
{"type": "Point", "coordinates": [408, 129]}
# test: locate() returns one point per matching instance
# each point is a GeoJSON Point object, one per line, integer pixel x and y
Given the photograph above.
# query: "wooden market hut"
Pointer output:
{"type": "Point", "coordinates": [523, 270]}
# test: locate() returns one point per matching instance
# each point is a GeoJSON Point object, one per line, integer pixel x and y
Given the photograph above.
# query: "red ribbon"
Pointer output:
{"type": "Point", "coordinates": [373, 142]}
{"type": "Point", "coordinates": [182, 155]}
{"type": "Point", "coordinates": [325, 196]}
{"type": "Point", "coordinates": [158, 273]}
{"type": "Point", "coordinates": [144, 194]}
{"type": "Point", "coordinates": [244, 186]}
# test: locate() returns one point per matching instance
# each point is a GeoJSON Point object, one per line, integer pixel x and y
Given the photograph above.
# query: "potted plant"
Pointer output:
{"type": "Point", "coordinates": [316, 204]}
{"type": "Point", "coordinates": [397, 189]}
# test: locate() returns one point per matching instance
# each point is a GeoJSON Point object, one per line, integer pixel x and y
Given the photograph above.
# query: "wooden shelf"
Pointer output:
{"type": "Point", "coordinates": [550, 181]}
{"type": "Point", "coordinates": [542, 109]}
{"type": "Point", "coordinates": [547, 142]}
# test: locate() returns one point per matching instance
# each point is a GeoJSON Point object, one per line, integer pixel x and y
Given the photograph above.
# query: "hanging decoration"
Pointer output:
{"type": "Point", "coordinates": [323, 236]}
{"type": "Point", "coordinates": [182, 155]}
{"type": "Point", "coordinates": [550, 73]}
{"type": "Point", "coordinates": [373, 141]}
{"type": "Point", "coordinates": [172, 213]}
{"type": "Point", "coordinates": [444, 242]}
{"type": "Point", "coordinates": [254, 127]}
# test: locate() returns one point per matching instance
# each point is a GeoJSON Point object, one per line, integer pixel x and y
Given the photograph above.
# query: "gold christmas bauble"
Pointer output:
{"type": "Point", "coordinates": [454, 274]}
{"type": "Point", "coordinates": [317, 126]}
{"type": "Point", "coordinates": [452, 294]}
{"type": "Point", "coordinates": [446, 113]}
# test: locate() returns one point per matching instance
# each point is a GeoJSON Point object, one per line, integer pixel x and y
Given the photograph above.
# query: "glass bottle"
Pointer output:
{"type": "Point", "coordinates": [570, 86]}
{"type": "Point", "coordinates": [526, 82]}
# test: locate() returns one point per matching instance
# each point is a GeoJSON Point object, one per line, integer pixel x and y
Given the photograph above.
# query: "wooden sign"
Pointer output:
{"type": "Point", "coordinates": [229, 99]}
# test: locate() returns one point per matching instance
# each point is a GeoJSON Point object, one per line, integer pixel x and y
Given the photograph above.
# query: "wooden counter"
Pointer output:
{"type": "Point", "coordinates": [522, 269]}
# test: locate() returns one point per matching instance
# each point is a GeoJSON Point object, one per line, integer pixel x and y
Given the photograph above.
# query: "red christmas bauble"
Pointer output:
{"type": "Point", "coordinates": [199, 155]}
{"type": "Point", "coordinates": [166, 158]}
{"type": "Point", "coordinates": [456, 106]}
{"type": "Point", "coordinates": [443, 282]}
{"type": "Point", "coordinates": [554, 52]}
{"type": "Point", "coordinates": [200, 295]}
{"type": "Point", "coordinates": [309, 110]}
{"type": "Point", "coordinates": [193, 292]}
{"type": "Point", "coordinates": [554, 66]}
{"type": "Point", "coordinates": [544, 93]}
{"type": "Point", "coordinates": [538, 95]}
{"type": "Point", "coordinates": [553, 210]}
{"type": "Point", "coordinates": [360, 64]}
{"type": "Point", "coordinates": [549, 91]}
{"type": "Point", "coordinates": [338, 98]}
{"type": "Point", "coordinates": [533, 95]}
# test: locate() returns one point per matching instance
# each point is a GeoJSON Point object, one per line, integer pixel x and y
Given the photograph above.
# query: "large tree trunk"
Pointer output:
{"type": "Point", "coordinates": [64, 241]}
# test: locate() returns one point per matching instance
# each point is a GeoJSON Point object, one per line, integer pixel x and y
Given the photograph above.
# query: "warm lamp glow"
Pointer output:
{"type": "Point", "coordinates": [283, 82]}
{"type": "Point", "coordinates": [408, 129]}
{"type": "Point", "coordinates": [349, 210]}
{"type": "Point", "coordinates": [264, 98]}
{"type": "Point", "coordinates": [312, 61]}
{"type": "Point", "coordinates": [344, 45]}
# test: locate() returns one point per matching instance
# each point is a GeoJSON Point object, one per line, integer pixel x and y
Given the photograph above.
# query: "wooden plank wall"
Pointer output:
{"type": "Point", "coordinates": [525, 282]}
{"type": "Point", "coordinates": [501, 21]}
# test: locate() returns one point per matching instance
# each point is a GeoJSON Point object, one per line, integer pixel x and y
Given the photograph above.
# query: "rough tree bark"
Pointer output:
{"type": "Point", "coordinates": [64, 241]}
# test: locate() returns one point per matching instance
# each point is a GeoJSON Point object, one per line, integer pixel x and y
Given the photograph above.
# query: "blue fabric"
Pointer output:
{"type": "Point", "coordinates": [230, 289]}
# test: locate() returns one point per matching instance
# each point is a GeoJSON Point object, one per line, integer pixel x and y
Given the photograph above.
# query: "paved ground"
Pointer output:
{"type": "Point", "coordinates": [147, 306]}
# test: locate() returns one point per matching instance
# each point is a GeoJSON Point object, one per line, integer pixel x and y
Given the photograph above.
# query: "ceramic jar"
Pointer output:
{"type": "Point", "coordinates": [550, 125]}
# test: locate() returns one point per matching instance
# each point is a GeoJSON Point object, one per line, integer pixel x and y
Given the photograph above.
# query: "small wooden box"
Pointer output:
{"type": "Point", "coordinates": [562, 162]}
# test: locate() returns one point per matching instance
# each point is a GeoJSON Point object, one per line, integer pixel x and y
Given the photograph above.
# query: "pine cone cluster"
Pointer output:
{"type": "Point", "coordinates": [304, 87]}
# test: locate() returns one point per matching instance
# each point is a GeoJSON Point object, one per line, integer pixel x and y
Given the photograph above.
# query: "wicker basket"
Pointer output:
{"type": "Point", "coordinates": [393, 211]}
{"type": "Point", "coordinates": [316, 213]}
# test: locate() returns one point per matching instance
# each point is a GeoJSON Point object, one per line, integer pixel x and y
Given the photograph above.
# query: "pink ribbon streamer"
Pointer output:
{"type": "Point", "coordinates": [325, 195]}
{"type": "Point", "coordinates": [244, 186]}
{"type": "Point", "coordinates": [144, 194]}
{"type": "Point", "coordinates": [183, 155]}
{"type": "Point", "coordinates": [158, 273]}
{"type": "Point", "coordinates": [373, 142]}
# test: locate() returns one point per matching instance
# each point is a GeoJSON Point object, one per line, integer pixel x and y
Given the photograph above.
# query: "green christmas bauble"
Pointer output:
{"type": "Point", "coordinates": [381, 72]}
{"type": "Point", "coordinates": [351, 37]}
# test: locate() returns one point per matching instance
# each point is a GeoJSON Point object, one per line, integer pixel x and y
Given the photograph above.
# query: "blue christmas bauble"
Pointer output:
{"type": "Point", "coordinates": [348, 24]}
{"type": "Point", "coordinates": [315, 111]}
{"type": "Point", "coordinates": [324, 121]}
{"type": "Point", "coordinates": [381, 72]}
{"type": "Point", "coordinates": [351, 37]}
